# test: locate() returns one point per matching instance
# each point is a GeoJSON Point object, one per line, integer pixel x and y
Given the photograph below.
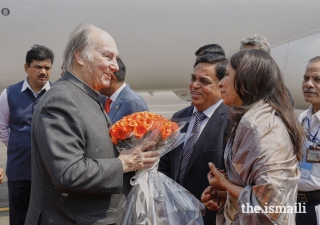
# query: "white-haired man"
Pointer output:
{"type": "Point", "coordinates": [78, 175]}
{"type": "Point", "coordinates": [257, 42]}
{"type": "Point", "coordinates": [260, 42]}
{"type": "Point", "coordinates": [309, 183]}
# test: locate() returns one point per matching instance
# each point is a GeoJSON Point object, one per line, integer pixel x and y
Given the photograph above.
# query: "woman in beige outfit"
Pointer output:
{"type": "Point", "coordinates": [262, 154]}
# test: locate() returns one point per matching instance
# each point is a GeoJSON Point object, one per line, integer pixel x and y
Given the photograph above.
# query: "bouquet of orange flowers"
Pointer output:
{"type": "Point", "coordinates": [137, 125]}
{"type": "Point", "coordinates": [155, 199]}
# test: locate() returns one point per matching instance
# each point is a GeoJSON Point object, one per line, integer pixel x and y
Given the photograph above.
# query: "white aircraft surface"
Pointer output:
{"type": "Point", "coordinates": [157, 38]}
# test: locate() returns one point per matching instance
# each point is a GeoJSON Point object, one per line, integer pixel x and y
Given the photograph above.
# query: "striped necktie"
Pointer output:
{"type": "Point", "coordinates": [188, 148]}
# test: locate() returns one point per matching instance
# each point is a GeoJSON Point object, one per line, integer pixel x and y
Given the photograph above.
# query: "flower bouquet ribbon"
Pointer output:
{"type": "Point", "coordinates": [155, 199]}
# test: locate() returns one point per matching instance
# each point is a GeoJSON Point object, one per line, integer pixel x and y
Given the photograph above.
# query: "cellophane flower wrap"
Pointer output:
{"type": "Point", "coordinates": [155, 199]}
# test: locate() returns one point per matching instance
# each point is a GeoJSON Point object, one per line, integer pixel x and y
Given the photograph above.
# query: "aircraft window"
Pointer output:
{"type": "Point", "coordinates": [5, 11]}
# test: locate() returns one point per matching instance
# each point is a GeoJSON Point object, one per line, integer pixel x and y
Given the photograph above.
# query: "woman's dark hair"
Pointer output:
{"type": "Point", "coordinates": [258, 78]}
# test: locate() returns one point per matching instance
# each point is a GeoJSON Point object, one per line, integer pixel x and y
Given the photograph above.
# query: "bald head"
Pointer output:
{"type": "Point", "coordinates": [102, 40]}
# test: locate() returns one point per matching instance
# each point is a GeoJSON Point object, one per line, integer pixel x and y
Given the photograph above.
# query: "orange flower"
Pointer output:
{"type": "Point", "coordinates": [119, 133]}
{"type": "Point", "coordinates": [131, 122]}
{"type": "Point", "coordinates": [114, 140]}
{"type": "Point", "coordinates": [139, 131]}
{"type": "Point", "coordinates": [123, 122]}
{"type": "Point", "coordinates": [174, 127]}
{"type": "Point", "coordinates": [166, 132]}
{"type": "Point", "coordinates": [138, 124]}
{"type": "Point", "coordinates": [140, 119]}
{"type": "Point", "coordinates": [133, 116]}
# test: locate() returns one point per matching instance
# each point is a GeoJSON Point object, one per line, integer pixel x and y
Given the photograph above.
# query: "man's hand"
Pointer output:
{"type": "Point", "coordinates": [136, 158]}
{"type": "Point", "coordinates": [1, 175]}
{"type": "Point", "coordinates": [213, 199]}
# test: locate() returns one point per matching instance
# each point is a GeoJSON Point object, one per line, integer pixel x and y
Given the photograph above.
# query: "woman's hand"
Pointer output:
{"type": "Point", "coordinates": [217, 179]}
{"type": "Point", "coordinates": [213, 199]}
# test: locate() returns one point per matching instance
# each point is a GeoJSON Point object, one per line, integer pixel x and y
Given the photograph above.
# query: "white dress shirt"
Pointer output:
{"type": "Point", "coordinates": [5, 112]}
{"type": "Point", "coordinates": [311, 183]}
{"type": "Point", "coordinates": [208, 112]}
{"type": "Point", "coordinates": [114, 96]}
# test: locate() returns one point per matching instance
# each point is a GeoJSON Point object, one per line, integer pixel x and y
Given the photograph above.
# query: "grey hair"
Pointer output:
{"type": "Point", "coordinates": [257, 40]}
{"type": "Point", "coordinates": [80, 39]}
{"type": "Point", "coordinates": [314, 59]}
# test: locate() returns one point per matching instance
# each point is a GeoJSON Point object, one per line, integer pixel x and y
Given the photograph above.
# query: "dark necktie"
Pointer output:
{"type": "Point", "coordinates": [188, 148]}
{"type": "Point", "coordinates": [107, 106]}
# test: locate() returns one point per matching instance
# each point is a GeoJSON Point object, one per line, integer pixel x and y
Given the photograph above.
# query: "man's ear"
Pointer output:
{"type": "Point", "coordinates": [26, 67]}
{"type": "Point", "coordinates": [113, 79]}
{"type": "Point", "coordinates": [78, 57]}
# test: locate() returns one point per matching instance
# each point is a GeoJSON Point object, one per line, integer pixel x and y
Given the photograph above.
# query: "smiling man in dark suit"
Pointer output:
{"type": "Point", "coordinates": [205, 134]}
{"type": "Point", "coordinates": [121, 100]}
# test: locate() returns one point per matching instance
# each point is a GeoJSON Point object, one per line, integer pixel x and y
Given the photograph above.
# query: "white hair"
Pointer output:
{"type": "Point", "coordinates": [80, 39]}
{"type": "Point", "coordinates": [257, 40]}
{"type": "Point", "coordinates": [314, 59]}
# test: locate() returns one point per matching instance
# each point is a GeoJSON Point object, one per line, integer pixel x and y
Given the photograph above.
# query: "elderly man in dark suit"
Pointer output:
{"type": "Point", "coordinates": [205, 134]}
{"type": "Point", "coordinates": [122, 100]}
{"type": "Point", "coordinates": [78, 176]}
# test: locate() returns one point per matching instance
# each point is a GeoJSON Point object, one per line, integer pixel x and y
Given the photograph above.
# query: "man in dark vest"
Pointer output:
{"type": "Point", "coordinates": [17, 103]}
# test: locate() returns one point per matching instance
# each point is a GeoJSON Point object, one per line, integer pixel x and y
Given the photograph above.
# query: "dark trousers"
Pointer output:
{"type": "Point", "coordinates": [19, 197]}
{"type": "Point", "coordinates": [210, 217]}
{"type": "Point", "coordinates": [308, 218]}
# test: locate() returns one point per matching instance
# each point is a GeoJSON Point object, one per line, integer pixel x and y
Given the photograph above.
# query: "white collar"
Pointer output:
{"type": "Point", "coordinates": [114, 96]}
{"type": "Point", "coordinates": [309, 113]}
{"type": "Point", "coordinates": [26, 85]}
{"type": "Point", "coordinates": [209, 111]}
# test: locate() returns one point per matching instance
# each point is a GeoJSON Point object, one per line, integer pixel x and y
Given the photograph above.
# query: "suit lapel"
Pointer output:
{"type": "Point", "coordinates": [103, 99]}
{"type": "Point", "coordinates": [118, 102]}
{"type": "Point", "coordinates": [177, 152]}
{"type": "Point", "coordinates": [213, 123]}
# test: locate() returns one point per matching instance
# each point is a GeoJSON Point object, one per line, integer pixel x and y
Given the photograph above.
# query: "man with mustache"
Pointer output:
{"type": "Point", "coordinates": [309, 183]}
{"type": "Point", "coordinates": [205, 134]}
{"type": "Point", "coordinates": [17, 103]}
